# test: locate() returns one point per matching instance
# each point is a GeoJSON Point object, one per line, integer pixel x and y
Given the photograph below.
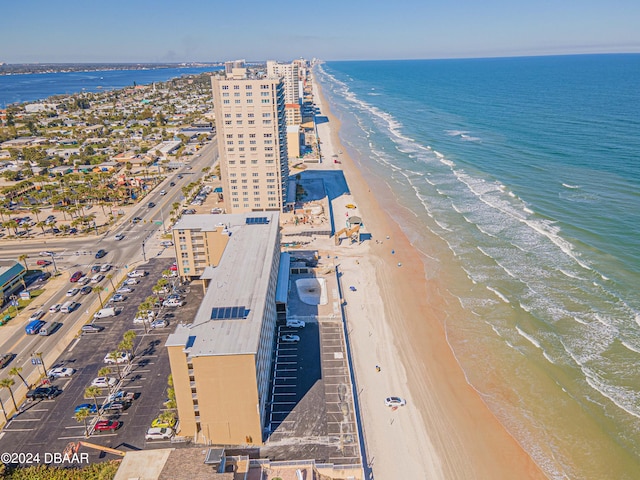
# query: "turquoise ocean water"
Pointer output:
{"type": "Point", "coordinates": [519, 179]}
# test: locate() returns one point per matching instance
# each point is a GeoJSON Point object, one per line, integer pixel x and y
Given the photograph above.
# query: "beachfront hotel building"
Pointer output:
{"type": "Point", "coordinates": [290, 74]}
{"type": "Point", "coordinates": [252, 140]}
{"type": "Point", "coordinates": [221, 363]}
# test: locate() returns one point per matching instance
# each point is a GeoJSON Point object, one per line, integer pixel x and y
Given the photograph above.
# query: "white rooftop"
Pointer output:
{"type": "Point", "coordinates": [240, 280]}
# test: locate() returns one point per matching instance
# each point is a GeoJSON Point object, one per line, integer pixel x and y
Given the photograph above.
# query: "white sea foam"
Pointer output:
{"type": "Point", "coordinates": [530, 338]}
{"type": "Point", "coordinates": [546, 355]}
{"type": "Point", "coordinates": [633, 348]}
{"type": "Point", "coordinates": [573, 187]}
{"type": "Point", "coordinates": [528, 210]}
{"type": "Point", "coordinates": [500, 295]}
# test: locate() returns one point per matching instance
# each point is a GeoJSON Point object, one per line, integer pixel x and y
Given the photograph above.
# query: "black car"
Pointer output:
{"type": "Point", "coordinates": [5, 359]}
{"type": "Point", "coordinates": [151, 205]}
{"type": "Point", "coordinates": [86, 290]}
{"type": "Point", "coordinates": [136, 219]}
{"type": "Point", "coordinates": [43, 392]}
{"type": "Point", "coordinates": [101, 253]}
{"type": "Point", "coordinates": [172, 184]}
{"type": "Point", "coordinates": [95, 268]}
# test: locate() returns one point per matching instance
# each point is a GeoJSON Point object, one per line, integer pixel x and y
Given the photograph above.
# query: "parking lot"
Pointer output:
{"type": "Point", "coordinates": [47, 426]}
{"type": "Point", "coordinates": [311, 413]}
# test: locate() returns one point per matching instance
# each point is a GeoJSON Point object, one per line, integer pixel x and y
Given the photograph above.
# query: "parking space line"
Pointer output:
{"type": "Point", "coordinates": [27, 419]}
{"type": "Point", "coordinates": [69, 438]}
{"type": "Point", "coordinates": [75, 426]}
{"type": "Point", "coordinates": [286, 363]}
{"type": "Point", "coordinates": [18, 429]}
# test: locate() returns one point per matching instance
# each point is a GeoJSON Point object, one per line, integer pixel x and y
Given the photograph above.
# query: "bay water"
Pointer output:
{"type": "Point", "coordinates": [519, 181]}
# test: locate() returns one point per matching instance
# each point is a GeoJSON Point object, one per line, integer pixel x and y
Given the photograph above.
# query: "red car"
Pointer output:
{"type": "Point", "coordinates": [76, 276]}
{"type": "Point", "coordinates": [43, 263]}
{"type": "Point", "coordinates": [174, 267]}
{"type": "Point", "coordinates": [107, 425]}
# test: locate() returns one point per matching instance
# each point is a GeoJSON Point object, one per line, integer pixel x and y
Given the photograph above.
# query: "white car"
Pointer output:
{"type": "Point", "coordinates": [55, 308]}
{"type": "Point", "coordinates": [137, 273]}
{"type": "Point", "coordinates": [166, 243]}
{"type": "Point", "coordinates": [290, 338]}
{"type": "Point", "coordinates": [163, 192]}
{"type": "Point", "coordinates": [105, 268]}
{"type": "Point", "coordinates": [119, 236]}
{"type": "Point", "coordinates": [295, 324]}
{"type": "Point", "coordinates": [119, 298]}
{"type": "Point", "coordinates": [172, 302]}
{"type": "Point", "coordinates": [142, 319]}
{"type": "Point", "coordinates": [72, 292]}
{"type": "Point", "coordinates": [124, 289]}
{"type": "Point", "coordinates": [60, 372]}
{"type": "Point", "coordinates": [36, 316]}
{"type": "Point", "coordinates": [131, 281]}
{"type": "Point", "coordinates": [395, 402]}
{"type": "Point", "coordinates": [160, 323]}
{"type": "Point", "coordinates": [121, 357]}
{"type": "Point", "coordinates": [97, 278]}
{"type": "Point", "coordinates": [155, 433]}
{"type": "Point", "coordinates": [104, 382]}
{"type": "Point", "coordinates": [84, 281]}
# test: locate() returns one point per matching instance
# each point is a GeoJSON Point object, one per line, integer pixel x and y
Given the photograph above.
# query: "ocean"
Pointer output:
{"type": "Point", "coordinates": [38, 86]}
{"type": "Point", "coordinates": [519, 181]}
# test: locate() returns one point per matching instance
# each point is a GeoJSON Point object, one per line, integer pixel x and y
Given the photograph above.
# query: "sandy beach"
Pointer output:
{"type": "Point", "coordinates": [396, 320]}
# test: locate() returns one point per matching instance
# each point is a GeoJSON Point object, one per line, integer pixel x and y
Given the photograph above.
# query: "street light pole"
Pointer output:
{"type": "Point", "coordinates": [144, 256]}
{"type": "Point", "coordinates": [55, 268]}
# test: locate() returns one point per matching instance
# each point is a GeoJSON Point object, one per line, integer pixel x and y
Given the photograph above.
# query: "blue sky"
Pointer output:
{"type": "Point", "coordinates": [212, 30]}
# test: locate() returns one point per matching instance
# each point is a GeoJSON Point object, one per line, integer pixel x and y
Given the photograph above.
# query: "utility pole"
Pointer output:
{"type": "Point", "coordinates": [144, 256]}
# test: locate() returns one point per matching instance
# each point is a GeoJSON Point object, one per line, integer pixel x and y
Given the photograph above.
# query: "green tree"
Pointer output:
{"type": "Point", "coordinates": [8, 383]}
{"type": "Point", "coordinates": [81, 416]}
{"type": "Point", "coordinates": [15, 371]}
{"type": "Point", "coordinates": [93, 392]}
{"type": "Point", "coordinates": [115, 356]}
{"type": "Point", "coordinates": [23, 258]}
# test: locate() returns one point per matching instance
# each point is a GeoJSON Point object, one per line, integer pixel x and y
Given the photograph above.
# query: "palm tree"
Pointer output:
{"type": "Point", "coordinates": [130, 337]}
{"type": "Point", "coordinates": [110, 278]}
{"type": "Point", "coordinates": [23, 258]}
{"type": "Point", "coordinates": [104, 372]}
{"type": "Point", "coordinates": [8, 383]}
{"type": "Point", "coordinates": [12, 224]}
{"type": "Point", "coordinates": [99, 289]}
{"type": "Point", "coordinates": [115, 356]}
{"type": "Point", "coordinates": [16, 371]}
{"type": "Point", "coordinates": [81, 416]}
{"type": "Point", "coordinates": [4, 412]}
{"type": "Point", "coordinates": [93, 392]}
{"type": "Point", "coordinates": [41, 225]}
{"type": "Point", "coordinates": [35, 211]}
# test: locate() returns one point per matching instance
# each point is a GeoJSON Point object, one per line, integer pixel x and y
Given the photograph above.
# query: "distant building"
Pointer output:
{"type": "Point", "coordinates": [11, 277]}
{"type": "Point", "coordinates": [229, 66]}
{"type": "Point", "coordinates": [291, 76]}
{"type": "Point", "coordinates": [252, 141]}
{"type": "Point", "coordinates": [221, 363]}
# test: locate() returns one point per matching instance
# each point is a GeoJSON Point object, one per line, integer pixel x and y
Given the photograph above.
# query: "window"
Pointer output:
{"type": "Point", "coordinates": [237, 101]}
{"type": "Point", "coordinates": [264, 86]}
{"type": "Point", "coordinates": [268, 135]}
{"type": "Point", "coordinates": [249, 100]}
{"type": "Point", "coordinates": [252, 149]}
{"type": "Point", "coordinates": [236, 87]}
{"type": "Point", "coordinates": [248, 87]}
{"type": "Point", "coordinates": [227, 122]}
{"type": "Point", "coordinates": [184, 255]}
{"type": "Point", "coordinates": [252, 135]}
{"type": "Point", "coordinates": [250, 115]}
{"type": "Point", "coordinates": [255, 174]}
{"type": "Point", "coordinates": [229, 135]}
{"type": "Point", "coordinates": [251, 122]}
{"type": "Point", "coordinates": [225, 87]}
{"type": "Point", "coordinates": [244, 181]}
{"type": "Point", "coordinates": [227, 101]}
{"type": "Point", "coordinates": [238, 115]}
{"type": "Point", "coordinates": [264, 100]}
{"type": "Point", "coordinates": [227, 115]}
{"type": "Point", "coordinates": [266, 122]}
{"type": "Point", "coordinates": [249, 94]}
{"type": "Point", "coordinates": [236, 94]}
{"type": "Point", "coordinates": [266, 115]}
{"type": "Point", "coordinates": [225, 94]}
{"type": "Point", "coordinates": [264, 94]}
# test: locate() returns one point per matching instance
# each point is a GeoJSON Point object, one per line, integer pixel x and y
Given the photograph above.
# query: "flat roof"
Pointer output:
{"type": "Point", "coordinates": [282, 288]}
{"type": "Point", "coordinates": [240, 279]}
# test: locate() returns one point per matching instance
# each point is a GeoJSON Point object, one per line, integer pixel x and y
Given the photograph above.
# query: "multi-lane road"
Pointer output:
{"type": "Point", "coordinates": [141, 241]}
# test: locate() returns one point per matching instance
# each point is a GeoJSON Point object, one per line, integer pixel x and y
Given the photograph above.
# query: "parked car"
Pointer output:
{"type": "Point", "coordinates": [76, 276]}
{"type": "Point", "coordinates": [166, 243]}
{"type": "Point", "coordinates": [119, 236]}
{"type": "Point", "coordinates": [131, 281]}
{"type": "Point", "coordinates": [121, 357]}
{"type": "Point", "coordinates": [107, 426]}
{"type": "Point", "coordinates": [43, 392]}
{"type": "Point", "coordinates": [5, 359]}
{"type": "Point", "coordinates": [124, 289]}
{"type": "Point", "coordinates": [60, 372]}
{"type": "Point", "coordinates": [290, 338]}
{"type": "Point", "coordinates": [43, 263]}
{"type": "Point", "coordinates": [105, 268]}
{"type": "Point", "coordinates": [174, 267]}
{"type": "Point", "coordinates": [395, 402]}
{"type": "Point", "coordinates": [86, 290]}
{"type": "Point", "coordinates": [137, 273]}
{"type": "Point", "coordinates": [89, 406]}
{"type": "Point", "coordinates": [91, 328]}
{"type": "Point", "coordinates": [55, 308]}
{"type": "Point", "coordinates": [115, 406]}
{"type": "Point", "coordinates": [172, 302]}
{"type": "Point", "coordinates": [104, 382]}
{"type": "Point", "coordinates": [295, 323]}
{"type": "Point", "coordinates": [72, 292]}
{"type": "Point", "coordinates": [160, 323]}
{"type": "Point", "coordinates": [101, 253]}
{"type": "Point", "coordinates": [121, 396]}
{"type": "Point", "coordinates": [118, 298]}
{"type": "Point", "coordinates": [158, 433]}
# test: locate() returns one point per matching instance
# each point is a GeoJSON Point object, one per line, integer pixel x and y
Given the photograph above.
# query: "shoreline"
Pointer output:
{"type": "Point", "coordinates": [446, 430]}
